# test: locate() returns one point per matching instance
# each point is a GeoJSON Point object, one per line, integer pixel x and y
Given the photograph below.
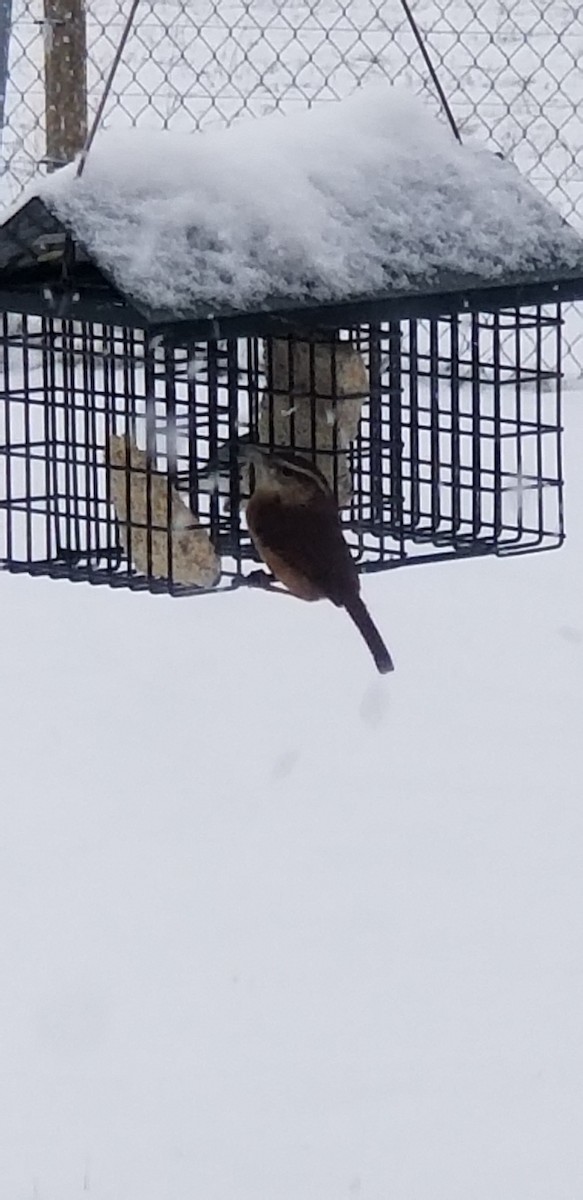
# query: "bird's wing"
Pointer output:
{"type": "Point", "coordinates": [305, 542]}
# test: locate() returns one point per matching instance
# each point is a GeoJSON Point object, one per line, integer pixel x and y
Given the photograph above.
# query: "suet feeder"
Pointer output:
{"type": "Point", "coordinates": [350, 283]}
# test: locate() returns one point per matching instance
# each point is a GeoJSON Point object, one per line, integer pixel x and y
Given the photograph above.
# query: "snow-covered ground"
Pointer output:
{"type": "Point", "coordinates": [272, 927]}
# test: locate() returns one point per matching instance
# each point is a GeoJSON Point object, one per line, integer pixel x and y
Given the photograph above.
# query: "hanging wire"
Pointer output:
{"type": "Point", "coordinates": [106, 90]}
{"type": "Point", "coordinates": [128, 25]}
{"type": "Point", "coordinates": [433, 73]}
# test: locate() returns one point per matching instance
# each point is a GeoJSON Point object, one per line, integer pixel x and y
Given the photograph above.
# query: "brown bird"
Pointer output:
{"type": "Point", "coordinates": [295, 524]}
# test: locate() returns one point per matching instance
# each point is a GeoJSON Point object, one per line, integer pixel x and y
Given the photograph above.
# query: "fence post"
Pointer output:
{"type": "Point", "coordinates": [5, 26]}
{"type": "Point", "coordinates": [65, 79]}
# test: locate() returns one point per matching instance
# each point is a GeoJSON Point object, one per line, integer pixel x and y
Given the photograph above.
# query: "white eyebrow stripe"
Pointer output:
{"type": "Point", "coordinates": [299, 469]}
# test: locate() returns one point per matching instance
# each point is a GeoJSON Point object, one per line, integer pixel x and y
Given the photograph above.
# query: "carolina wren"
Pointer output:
{"type": "Point", "coordinates": [312, 401]}
{"type": "Point", "coordinates": [295, 525]}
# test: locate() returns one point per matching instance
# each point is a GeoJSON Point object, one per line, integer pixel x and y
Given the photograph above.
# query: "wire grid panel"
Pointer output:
{"type": "Point", "coordinates": [434, 450]}
{"type": "Point", "coordinates": [479, 431]}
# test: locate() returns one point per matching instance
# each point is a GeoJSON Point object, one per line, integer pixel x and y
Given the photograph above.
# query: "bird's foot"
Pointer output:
{"type": "Point", "coordinates": [260, 579]}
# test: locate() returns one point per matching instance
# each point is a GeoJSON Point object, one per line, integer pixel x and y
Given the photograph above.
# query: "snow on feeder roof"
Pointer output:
{"type": "Point", "coordinates": [365, 201]}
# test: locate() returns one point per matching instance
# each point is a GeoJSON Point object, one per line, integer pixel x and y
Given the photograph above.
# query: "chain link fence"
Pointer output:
{"type": "Point", "coordinates": [510, 69]}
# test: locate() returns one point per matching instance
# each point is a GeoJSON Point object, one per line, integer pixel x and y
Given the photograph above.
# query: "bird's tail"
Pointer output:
{"type": "Point", "coordinates": [356, 608]}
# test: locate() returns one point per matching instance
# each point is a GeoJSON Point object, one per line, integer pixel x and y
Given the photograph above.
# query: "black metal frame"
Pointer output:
{"type": "Point", "coordinates": [458, 450]}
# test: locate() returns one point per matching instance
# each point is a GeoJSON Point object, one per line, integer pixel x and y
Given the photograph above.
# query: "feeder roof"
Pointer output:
{"type": "Point", "coordinates": [365, 201]}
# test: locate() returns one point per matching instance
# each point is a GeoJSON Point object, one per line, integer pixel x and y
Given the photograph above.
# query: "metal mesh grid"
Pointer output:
{"type": "Point", "coordinates": [454, 449]}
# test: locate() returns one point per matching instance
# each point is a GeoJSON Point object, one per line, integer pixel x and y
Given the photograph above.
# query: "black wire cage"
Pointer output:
{"type": "Point", "coordinates": [440, 435]}
{"type": "Point", "coordinates": [411, 351]}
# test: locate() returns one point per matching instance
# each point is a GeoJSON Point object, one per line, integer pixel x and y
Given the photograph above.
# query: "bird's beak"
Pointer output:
{"type": "Point", "coordinates": [213, 480]}
{"type": "Point", "coordinates": [215, 476]}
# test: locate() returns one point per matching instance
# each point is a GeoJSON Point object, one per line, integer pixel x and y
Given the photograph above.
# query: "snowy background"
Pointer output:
{"type": "Point", "coordinates": [274, 928]}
